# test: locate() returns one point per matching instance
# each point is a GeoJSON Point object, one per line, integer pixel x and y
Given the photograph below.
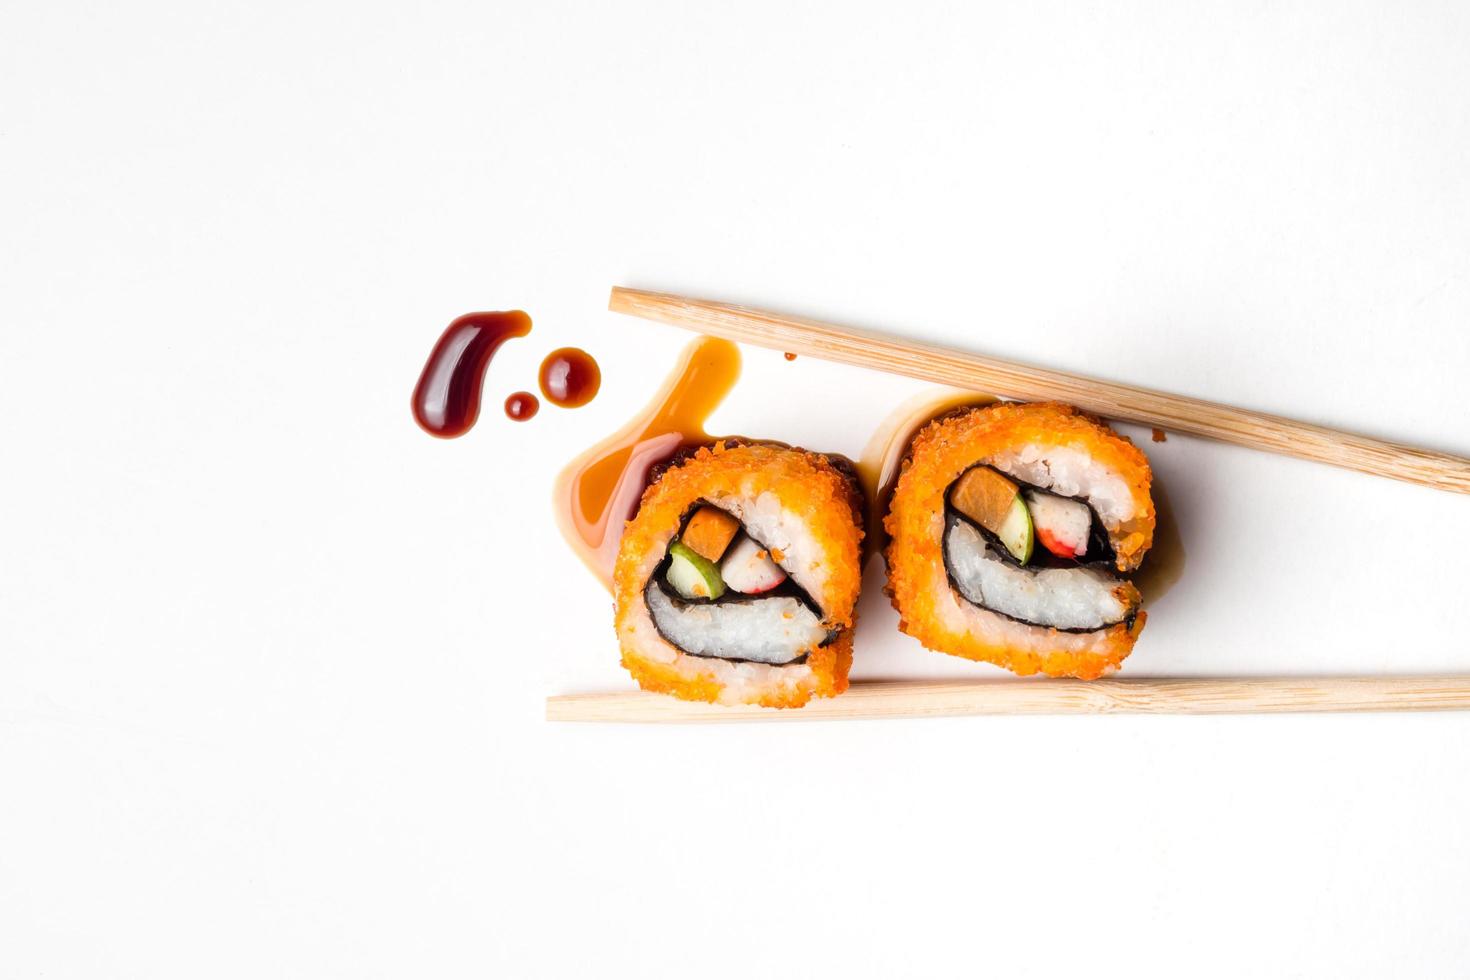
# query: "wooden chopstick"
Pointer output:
{"type": "Point", "coordinates": [1008, 379]}
{"type": "Point", "coordinates": [872, 700]}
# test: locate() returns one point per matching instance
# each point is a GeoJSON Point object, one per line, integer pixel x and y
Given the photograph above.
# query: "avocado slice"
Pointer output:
{"type": "Point", "coordinates": [1016, 531]}
{"type": "Point", "coordinates": [692, 575]}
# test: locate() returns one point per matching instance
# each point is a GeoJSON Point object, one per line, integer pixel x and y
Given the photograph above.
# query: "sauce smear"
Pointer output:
{"type": "Point", "coordinates": [521, 406]}
{"type": "Point", "coordinates": [879, 465]}
{"type": "Point", "coordinates": [446, 401]}
{"type": "Point", "coordinates": [599, 491]}
{"type": "Point", "coordinates": [570, 377]}
{"type": "Point", "coordinates": [1164, 564]}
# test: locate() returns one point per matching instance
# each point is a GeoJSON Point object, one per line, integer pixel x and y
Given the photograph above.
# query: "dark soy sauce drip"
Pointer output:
{"type": "Point", "coordinates": [521, 406]}
{"type": "Point", "coordinates": [446, 401]}
{"type": "Point", "coordinates": [570, 377]}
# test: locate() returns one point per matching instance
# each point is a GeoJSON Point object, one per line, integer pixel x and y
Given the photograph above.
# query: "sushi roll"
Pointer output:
{"type": "Point", "coordinates": [736, 580]}
{"type": "Point", "coordinates": [1009, 530]}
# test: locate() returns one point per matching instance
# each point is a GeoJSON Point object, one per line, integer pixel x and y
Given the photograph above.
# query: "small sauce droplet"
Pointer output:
{"type": "Point", "coordinates": [789, 356]}
{"type": "Point", "coordinates": [570, 377]}
{"type": "Point", "coordinates": [1159, 435]}
{"type": "Point", "coordinates": [521, 406]}
{"type": "Point", "coordinates": [598, 492]}
{"type": "Point", "coordinates": [446, 401]}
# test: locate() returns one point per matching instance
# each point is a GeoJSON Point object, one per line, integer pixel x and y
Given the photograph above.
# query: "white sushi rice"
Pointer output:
{"type": "Point", "coordinates": [1082, 598]}
{"type": "Point", "coordinates": [1070, 472]}
{"type": "Point", "coordinates": [957, 614]}
{"type": "Point", "coordinates": [775, 630]}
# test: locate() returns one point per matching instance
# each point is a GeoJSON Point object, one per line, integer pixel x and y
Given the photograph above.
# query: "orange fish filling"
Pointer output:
{"type": "Point", "coordinates": [710, 532]}
{"type": "Point", "coordinates": [985, 497]}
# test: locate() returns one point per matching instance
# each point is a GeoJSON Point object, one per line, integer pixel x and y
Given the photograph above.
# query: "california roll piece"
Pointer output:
{"type": "Point", "coordinates": [1009, 528]}
{"type": "Point", "coordinates": [737, 579]}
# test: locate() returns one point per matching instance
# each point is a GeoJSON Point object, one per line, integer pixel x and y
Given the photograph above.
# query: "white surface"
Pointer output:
{"type": "Point", "coordinates": [272, 662]}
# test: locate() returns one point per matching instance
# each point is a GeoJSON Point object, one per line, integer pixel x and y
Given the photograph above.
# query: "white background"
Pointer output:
{"type": "Point", "coordinates": [272, 662]}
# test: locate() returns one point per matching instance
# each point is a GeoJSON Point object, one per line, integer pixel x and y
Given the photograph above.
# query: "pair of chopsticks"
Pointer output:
{"type": "Point", "coordinates": [1008, 379]}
